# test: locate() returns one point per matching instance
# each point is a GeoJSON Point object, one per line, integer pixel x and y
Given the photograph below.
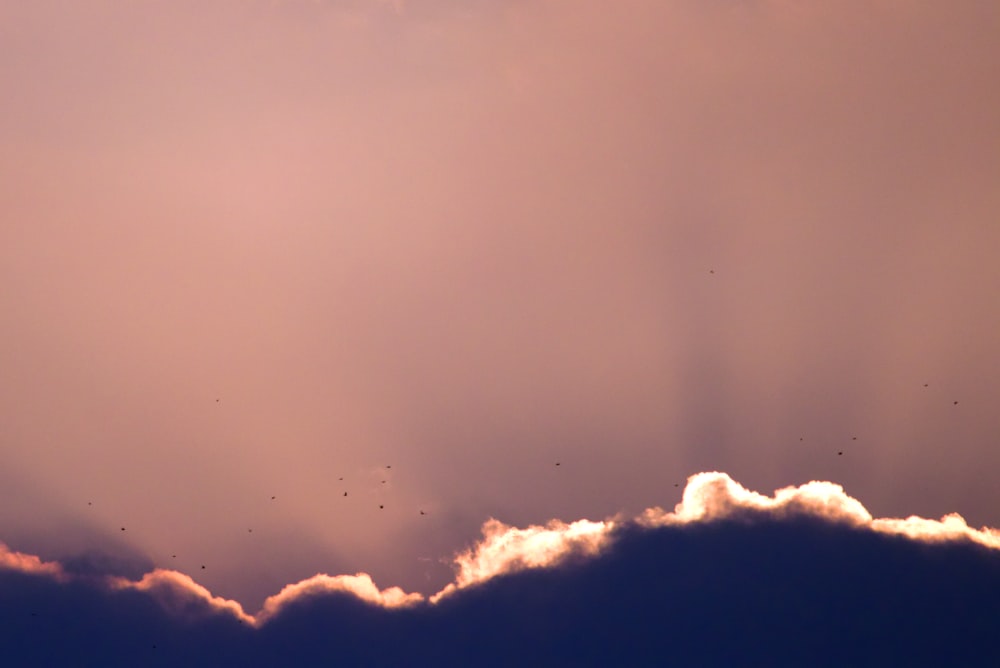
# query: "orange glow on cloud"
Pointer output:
{"type": "Point", "coordinates": [27, 563]}
{"type": "Point", "coordinates": [504, 549]}
{"type": "Point", "coordinates": [180, 594]}
{"type": "Point", "coordinates": [360, 585]}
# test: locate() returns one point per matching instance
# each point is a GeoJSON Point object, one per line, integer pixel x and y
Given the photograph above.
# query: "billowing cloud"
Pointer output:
{"type": "Point", "coordinates": [359, 585]}
{"type": "Point", "coordinates": [716, 496]}
{"type": "Point", "coordinates": [181, 595]}
{"type": "Point", "coordinates": [505, 549]}
{"type": "Point", "coordinates": [805, 576]}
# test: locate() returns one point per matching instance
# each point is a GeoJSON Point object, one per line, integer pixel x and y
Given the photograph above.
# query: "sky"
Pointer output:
{"type": "Point", "coordinates": [300, 287]}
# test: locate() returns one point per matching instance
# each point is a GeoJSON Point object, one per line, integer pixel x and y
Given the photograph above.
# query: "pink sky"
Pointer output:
{"type": "Point", "coordinates": [469, 240]}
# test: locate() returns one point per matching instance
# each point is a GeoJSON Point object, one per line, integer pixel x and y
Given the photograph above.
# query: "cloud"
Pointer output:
{"type": "Point", "coordinates": [27, 563]}
{"type": "Point", "coordinates": [359, 585]}
{"type": "Point", "coordinates": [505, 549]}
{"type": "Point", "coordinates": [181, 595]}
{"type": "Point", "coordinates": [716, 496]}
{"type": "Point", "coordinates": [805, 572]}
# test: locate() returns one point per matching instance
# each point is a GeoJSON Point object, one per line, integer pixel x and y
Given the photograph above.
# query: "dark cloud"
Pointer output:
{"type": "Point", "coordinates": [731, 577]}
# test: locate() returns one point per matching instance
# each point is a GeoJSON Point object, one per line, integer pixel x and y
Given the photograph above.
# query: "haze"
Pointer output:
{"type": "Point", "coordinates": [250, 248]}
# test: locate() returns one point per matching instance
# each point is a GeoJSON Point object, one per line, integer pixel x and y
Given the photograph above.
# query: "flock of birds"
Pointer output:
{"type": "Point", "coordinates": [274, 497]}
{"type": "Point", "coordinates": [381, 506]}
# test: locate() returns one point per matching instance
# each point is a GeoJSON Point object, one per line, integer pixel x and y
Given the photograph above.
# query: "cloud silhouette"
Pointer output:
{"type": "Point", "coordinates": [729, 577]}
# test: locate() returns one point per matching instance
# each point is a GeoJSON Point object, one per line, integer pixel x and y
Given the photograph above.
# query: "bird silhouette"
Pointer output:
{"type": "Point", "coordinates": [840, 452]}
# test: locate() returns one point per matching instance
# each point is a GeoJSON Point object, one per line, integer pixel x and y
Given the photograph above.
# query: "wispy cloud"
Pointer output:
{"type": "Point", "coordinates": [28, 563]}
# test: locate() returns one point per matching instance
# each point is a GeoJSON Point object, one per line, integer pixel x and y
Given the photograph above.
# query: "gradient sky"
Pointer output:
{"type": "Point", "coordinates": [248, 248]}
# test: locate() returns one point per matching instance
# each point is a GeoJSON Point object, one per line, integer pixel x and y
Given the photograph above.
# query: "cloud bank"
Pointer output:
{"type": "Point", "coordinates": [806, 574]}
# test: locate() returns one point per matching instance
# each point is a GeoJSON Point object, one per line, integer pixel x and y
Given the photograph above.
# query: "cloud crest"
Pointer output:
{"type": "Point", "coordinates": [503, 549]}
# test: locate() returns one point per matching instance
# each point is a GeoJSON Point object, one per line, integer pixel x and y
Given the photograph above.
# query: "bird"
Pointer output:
{"type": "Point", "coordinates": [557, 463]}
{"type": "Point", "coordinates": [173, 556]}
{"type": "Point", "coordinates": [339, 478]}
{"type": "Point", "coordinates": [925, 384]}
{"type": "Point", "coordinates": [711, 271]}
{"type": "Point", "coordinates": [249, 530]}
{"type": "Point", "coordinates": [380, 506]}
{"type": "Point", "coordinates": [854, 438]}
{"type": "Point", "coordinates": [203, 567]}
{"type": "Point", "coordinates": [840, 452]}
{"type": "Point", "coordinates": [955, 404]}
{"type": "Point", "coordinates": [272, 498]}
{"type": "Point", "coordinates": [422, 512]}
{"type": "Point", "coordinates": [345, 493]}
{"type": "Point", "coordinates": [388, 467]}
{"type": "Point", "coordinates": [89, 503]}
{"type": "Point", "coordinates": [123, 528]}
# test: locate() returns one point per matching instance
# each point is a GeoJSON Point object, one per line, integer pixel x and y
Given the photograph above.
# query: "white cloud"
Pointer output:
{"type": "Point", "coordinates": [507, 549]}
